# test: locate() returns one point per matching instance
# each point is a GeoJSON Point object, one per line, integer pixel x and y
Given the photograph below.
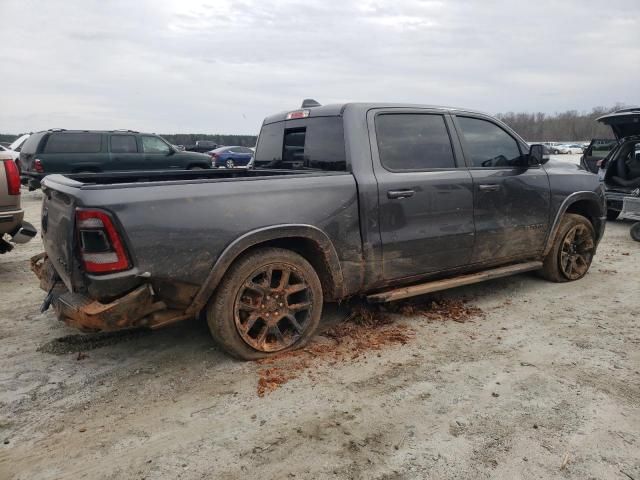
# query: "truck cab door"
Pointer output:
{"type": "Point", "coordinates": [425, 192]}
{"type": "Point", "coordinates": [512, 200]}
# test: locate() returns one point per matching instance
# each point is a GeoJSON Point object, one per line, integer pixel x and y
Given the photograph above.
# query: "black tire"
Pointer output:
{"type": "Point", "coordinates": [612, 215]}
{"type": "Point", "coordinates": [635, 231]}
{"type": "Point", "coordinates": [258, 310]}
{"type": "Point", "coordinates": [572, 251]}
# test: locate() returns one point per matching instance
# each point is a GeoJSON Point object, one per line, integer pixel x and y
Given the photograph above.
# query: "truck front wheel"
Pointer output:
{"type": "Point", "coordinates": [269, 301]}
{"type": "Point", "coordinates": [572, 251]}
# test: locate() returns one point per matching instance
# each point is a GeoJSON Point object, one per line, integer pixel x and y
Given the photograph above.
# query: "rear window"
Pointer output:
{"type": "Point", "coordinates": [31, 144]}
{"type": "Point", "coordinates": [73, 143]}
{"type": "Point", "coordinates": [310, 144]}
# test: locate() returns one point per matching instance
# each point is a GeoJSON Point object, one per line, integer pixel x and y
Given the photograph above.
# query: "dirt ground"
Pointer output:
{"type": "Point", "coordinates": [545, 383]}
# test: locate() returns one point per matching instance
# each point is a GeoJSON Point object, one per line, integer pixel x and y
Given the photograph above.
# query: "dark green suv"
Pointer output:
{"type": "Point", "coordinates": [85, 151]}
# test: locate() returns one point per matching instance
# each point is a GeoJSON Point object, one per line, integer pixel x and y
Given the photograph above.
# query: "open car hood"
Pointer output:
{"type": "Point", "coordinates": [624, 123]}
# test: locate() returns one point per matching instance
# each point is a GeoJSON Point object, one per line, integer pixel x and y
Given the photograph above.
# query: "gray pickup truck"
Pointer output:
{"type": "Point", "coordinates": [385, 201]}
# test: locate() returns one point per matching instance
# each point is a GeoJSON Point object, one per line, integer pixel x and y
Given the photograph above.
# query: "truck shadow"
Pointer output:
{"type": "Point", "coordinates": [194, 332]}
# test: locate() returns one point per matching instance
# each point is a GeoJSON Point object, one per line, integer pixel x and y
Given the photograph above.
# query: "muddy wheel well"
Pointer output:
{"type": "Point", "coordinates": [587, 209]}
{"type": "Point", "coordinates": [314, 254]}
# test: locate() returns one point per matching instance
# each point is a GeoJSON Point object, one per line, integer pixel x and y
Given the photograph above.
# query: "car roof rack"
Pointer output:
{"type": "Point", "coordinates": [57, 130]}
{"type": "Point", "coordinates": [125, 130]}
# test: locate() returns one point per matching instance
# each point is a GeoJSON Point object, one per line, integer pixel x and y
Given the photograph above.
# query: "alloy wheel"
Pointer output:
{"type": "Point", "coordinates": [273, 308]}
{"type": "Point", "coordinates": [576, 252]}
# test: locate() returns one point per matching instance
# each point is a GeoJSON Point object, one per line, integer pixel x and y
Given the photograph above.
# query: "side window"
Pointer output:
{"type": "Point", "coordinates": [312, 143]}
{"type": "Point", "coordinates": [488, 144]}
{"type": "Point", "coordinates": [73, 143]}
{"type": "Point", "coordinates": [123, 144]}
{"type": "Point", "coordinates": [154, 145]}
{"type": "Point", "coordinates": [269, 146]}
{"type": "Point", "coordinates": [408, 141]}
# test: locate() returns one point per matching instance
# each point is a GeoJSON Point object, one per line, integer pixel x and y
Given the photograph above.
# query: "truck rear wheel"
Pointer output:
{"type": "Point", "coordinates": [269, 301]}
{"type": "Point", "coordinates": [572, 251]}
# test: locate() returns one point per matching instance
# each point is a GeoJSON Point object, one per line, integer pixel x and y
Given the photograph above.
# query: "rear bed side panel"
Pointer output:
{"type": "Point", "coordinates": [177, 231]}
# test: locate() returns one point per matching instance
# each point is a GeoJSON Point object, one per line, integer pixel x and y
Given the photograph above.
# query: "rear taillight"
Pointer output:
{"type": "Point", "coordinates": [13, 177]}
{"type": "Point", "coordinates": [37, 166]}
{"type": "Point", "coordinates": [101, 247]}
{"type": "Point", "coordinates": [599, 163]}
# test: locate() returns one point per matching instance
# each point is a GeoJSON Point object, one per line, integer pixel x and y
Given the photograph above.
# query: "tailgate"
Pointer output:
{"type": "Point", "coordinates": [58, 217]}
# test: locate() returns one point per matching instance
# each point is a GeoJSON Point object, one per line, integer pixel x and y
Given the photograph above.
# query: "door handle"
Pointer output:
{"type": "Point", "coordinates": [492, 187]}
{"type": "Point", "coordinates": [391, 194]}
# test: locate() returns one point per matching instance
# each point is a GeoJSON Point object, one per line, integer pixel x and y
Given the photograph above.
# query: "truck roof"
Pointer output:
{"type": "Point", "coordinates": [337, 109]}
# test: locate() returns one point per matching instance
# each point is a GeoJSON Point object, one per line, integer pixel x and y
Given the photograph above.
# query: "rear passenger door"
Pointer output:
{"type": "Point", "coordinates": [425, 192]}
{"type": "Point", "coordinates": [124, 153]}
{"type": "Point", "coordinates": [511, 198]}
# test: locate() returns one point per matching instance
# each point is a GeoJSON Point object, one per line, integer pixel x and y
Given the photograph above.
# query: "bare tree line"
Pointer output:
{"type": "Point", "coordinates": [566, 126]}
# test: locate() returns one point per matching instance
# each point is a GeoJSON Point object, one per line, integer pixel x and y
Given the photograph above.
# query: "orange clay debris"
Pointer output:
{"type": "Point", "coordinates": [368, 328]}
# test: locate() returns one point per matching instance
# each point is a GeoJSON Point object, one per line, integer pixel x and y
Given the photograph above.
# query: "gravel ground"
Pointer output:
{"type": "Point", "coordinates": [544, 384]}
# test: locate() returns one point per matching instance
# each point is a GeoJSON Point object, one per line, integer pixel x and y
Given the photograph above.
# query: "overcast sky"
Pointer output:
{"type": "Point", "coordinates": [221, 66]}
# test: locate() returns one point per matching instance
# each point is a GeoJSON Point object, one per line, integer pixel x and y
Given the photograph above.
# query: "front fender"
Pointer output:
{"type": "Point", "coordinates": [596, 209]}
{"type": "Point", "coordinates": [263, 235]}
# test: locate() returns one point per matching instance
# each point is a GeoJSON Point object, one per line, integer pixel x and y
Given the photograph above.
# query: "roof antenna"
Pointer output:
{"type": "Point", "coordinates": [309, 102]}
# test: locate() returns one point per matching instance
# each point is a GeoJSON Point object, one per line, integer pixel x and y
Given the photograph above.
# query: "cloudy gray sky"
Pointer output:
{"type": "Point", "coordinates": [221, 66]}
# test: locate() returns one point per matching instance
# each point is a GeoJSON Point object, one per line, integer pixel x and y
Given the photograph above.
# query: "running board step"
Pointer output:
{"type": "Point", "coordinates": [437, 285]}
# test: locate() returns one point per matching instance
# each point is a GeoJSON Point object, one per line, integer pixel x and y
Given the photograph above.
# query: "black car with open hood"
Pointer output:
{"type": "Point", "coordinates": [621, 169]}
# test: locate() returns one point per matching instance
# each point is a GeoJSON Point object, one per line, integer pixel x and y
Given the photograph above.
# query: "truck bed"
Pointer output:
{"type": "Point", "coordinates": [176, 224]}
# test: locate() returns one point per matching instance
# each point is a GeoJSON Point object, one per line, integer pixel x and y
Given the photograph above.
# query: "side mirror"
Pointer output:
{"type": "Point", "coordinates": [171, 151]}
{"type": "Point", "coordinates": [538, 155]}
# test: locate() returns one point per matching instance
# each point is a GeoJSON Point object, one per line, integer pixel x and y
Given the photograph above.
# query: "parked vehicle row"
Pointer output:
{"type": "Point", "coordinates": [381, 200]}
{"type": "Point", "coordinates": [556, 148]}
{"type": "Point", "coordinates": [86, 151]}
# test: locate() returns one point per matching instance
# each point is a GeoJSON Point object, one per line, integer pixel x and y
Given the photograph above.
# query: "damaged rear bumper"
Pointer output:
{"type": "Point", "coordinates": [137, 308]}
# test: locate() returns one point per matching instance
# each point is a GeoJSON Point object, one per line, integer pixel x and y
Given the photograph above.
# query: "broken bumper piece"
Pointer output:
{"type": "Point", "coordinates": [135, 309]}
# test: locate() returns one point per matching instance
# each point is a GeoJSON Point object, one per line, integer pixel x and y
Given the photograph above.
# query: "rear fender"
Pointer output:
{"type": "Point", "coordinates": [265, 235]}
